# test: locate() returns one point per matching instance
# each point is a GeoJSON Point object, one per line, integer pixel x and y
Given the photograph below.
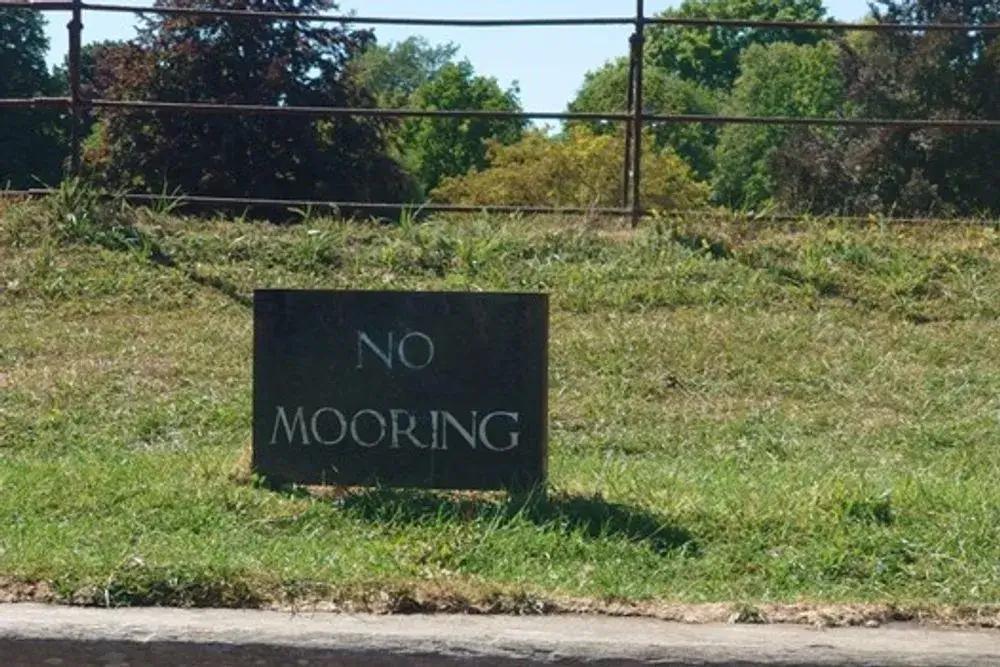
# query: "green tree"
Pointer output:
{"type": "Point", "coordinates": [210, 59]}
{"type": "Point", "coordinates": [933, 75]}
{"type": "Point", "coordinates": [31, 141]}
{"type": "Point", "coordinates": [580, 168]}
{"type": "Point", "coordinates": [393, 73]}
{"type": "Point", "coordinates": [436, 148]}
{"type": "Point", "coordinates": [777, 80]}
{"type": "Point", "coordinates": [711, 56]}
{"type": "Point", "coordinates": [606, 91]}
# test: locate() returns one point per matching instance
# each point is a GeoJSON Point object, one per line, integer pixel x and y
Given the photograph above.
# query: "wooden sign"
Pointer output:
{"type": "Point", "coordinates": [401, 389]}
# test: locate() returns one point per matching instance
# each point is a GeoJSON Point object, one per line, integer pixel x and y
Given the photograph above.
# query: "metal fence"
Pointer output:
{"type": "Point", "coordinates": [635, 118]}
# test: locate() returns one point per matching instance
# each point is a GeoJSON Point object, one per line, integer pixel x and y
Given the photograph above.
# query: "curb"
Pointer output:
{"type": "Point", "coordinates": [38, 635]}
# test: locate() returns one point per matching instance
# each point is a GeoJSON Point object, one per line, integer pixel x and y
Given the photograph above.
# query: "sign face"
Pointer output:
{"type": "Point", "coordinates": [403, 389]}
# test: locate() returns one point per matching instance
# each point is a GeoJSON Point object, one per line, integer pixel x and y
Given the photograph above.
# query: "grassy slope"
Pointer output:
{"type": "Point", "coordinates": [760, 416]}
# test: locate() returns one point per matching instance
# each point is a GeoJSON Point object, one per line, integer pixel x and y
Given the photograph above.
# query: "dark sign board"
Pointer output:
{"type": "Point", "coordinates": [403, 389]}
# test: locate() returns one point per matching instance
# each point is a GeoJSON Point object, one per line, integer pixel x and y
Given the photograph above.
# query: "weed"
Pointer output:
{"type": "Point", "coordinates": [304, 215]}
{"type": "Point", "coordinates": [166, 204]}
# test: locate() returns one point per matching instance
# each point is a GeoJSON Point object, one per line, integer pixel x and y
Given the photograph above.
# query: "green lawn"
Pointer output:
{"type": "Point", "coordinates": [740, 415]}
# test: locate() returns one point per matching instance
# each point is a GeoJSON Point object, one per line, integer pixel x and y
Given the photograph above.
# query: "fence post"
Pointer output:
{"type": "Point", "coordinates": [76, 108]}
{"type": "Point", "coordinates": [630, 106]}
{"type": "Point", "coordinates": [637, 114]}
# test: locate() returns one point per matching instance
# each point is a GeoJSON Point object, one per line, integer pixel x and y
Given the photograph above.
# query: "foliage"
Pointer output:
{"type": "Point", "coordinates": [581, 169]}
{"type": "Point", "coordinates": [777, 80]}
{"type": "Point", "coordinates": [393, 73]}
{"type": "Point", "coordinates": [416, 74]}
{"type": "Point", "coordinates": [208, 59]}
{"type": "Point", "coordinates": [31, 142]}
{"type": "Point", "coordinates": [606, 90]}
{"type": "Point", "coordinates": [91, 55]}
{"type": "Point", "coordinates": [436, 148]}
{"type": "Point", "coordinates": [690, 71]}
{"type": "Point", "coordinates": [934, 75]}
{"type": "Point", "coordinates": [711, 56]}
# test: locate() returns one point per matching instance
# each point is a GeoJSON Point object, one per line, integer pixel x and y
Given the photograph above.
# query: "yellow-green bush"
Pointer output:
{"type": "Point", "coordinates": [580, 169]}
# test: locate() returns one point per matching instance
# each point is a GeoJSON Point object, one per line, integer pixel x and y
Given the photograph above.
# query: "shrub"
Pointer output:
{"type": "Point", "coordinates": [580, 169]}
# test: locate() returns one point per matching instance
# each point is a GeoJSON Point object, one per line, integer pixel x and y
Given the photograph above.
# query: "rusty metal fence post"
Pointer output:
{"type": "Point", "coordinates": [638, 122]}
{"type": "Point", "coordinates": [630, 105]}
{"type": "Point", "coordinates": [75, 27]}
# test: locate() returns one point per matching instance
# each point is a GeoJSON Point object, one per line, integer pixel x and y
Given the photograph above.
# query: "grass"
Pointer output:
{"type": "Point", "coordinates": [743, 417]}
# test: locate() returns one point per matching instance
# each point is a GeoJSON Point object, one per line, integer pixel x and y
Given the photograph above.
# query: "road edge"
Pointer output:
{"type": "Point", "coordinates": [33, 634]}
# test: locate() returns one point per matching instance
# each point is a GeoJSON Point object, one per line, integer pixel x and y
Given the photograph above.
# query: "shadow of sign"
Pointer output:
{"type": "Point", "coordinates": [592, 516]}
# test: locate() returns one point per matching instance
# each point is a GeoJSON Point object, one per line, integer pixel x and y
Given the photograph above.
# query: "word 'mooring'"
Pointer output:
{"type": "Point", "coordinates": [400, 427]}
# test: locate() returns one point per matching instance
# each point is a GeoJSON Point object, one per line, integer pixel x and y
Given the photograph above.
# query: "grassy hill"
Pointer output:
{"type": "Point", "coordinates": [741, 415]}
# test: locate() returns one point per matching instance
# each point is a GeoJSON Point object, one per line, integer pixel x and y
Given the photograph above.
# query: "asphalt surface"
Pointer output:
{"type": "Point", "coordinates": [44, 636]}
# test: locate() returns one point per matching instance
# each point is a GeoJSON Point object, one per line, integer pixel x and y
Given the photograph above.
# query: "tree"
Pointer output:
{"type": "Point", "coordinates": [393, 73]}
{"type": "Point", "coordinates": [777, 80]}
{"type": "Point", "coordinates": [415, 74]}
{"type": "Point", "coordinates": [90, 55]}
{"type": "Point", "coordinates": [436, 148]}
{"type": "Point", "coordinates": [222, 60]}
{"type": "Point", "coordinates": [711, 56]}
{"type": "Point", "coordinates": [606, 91]}
{"type": "Point", "coordinates": [31, 148]}
{"type": "Point", "coordinates": [579, 169]}
{"type": "Point", "coordinates": [932, 75]}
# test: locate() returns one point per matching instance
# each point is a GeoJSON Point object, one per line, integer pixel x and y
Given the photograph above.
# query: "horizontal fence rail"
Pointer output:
{"type": "Point", "coordinates": [509, 23]}
{"type": "Point", "coordinates": [634, 119]}
{"type": "Point", "coordinates": [66, 103]}
{"type": "Point", "coordinates": [334, 205]}
{"type": "Point", "coordinates": [756, 218]}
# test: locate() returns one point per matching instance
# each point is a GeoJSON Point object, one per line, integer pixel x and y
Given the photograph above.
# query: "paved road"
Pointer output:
{"type": "Point", "coordinates": [43, 636]}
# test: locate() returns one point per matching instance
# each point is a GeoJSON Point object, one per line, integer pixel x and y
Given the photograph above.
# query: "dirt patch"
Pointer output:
{"type": "Point", "coordinates": [817, 615]}
{"type": "Point", "coordinates": [15, 590]}
{"type": "Point", "coordinates": [458, 598]}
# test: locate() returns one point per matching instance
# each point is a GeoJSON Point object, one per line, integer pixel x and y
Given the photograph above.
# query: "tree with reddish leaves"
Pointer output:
{"type": "Point", "coordinates": [946, 75]}
{"type": "Point", "coordinates": [242, 60]}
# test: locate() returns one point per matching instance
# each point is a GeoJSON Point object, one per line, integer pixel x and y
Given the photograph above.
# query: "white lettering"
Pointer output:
{"type": "Point", "coordinates": [384, 355]}
{"type": "Point", "coordinates": [429, 353]}
{"type": "Point", "coordinates": [299, 422]}
{"type": "Point", "coordinates": [405, 355]}
{"type": "Point", "coordinates": [408, 431]}
{"type": "Point", "coordinates": [314, 422]}
{"type": "Point", "coordinates": [434, 429]}
{"type": "Point", "coordinates": [515, 436]}
{"type": "Point", "coordinates": [496, 431]}
{"type": "Point", "coordinates": [468, 435]}
{"type": "Point", "coordinates": [382, 426]}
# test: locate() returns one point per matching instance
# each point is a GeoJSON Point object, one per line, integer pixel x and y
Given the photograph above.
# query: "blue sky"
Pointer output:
{"type": "Point", "coordinates": [548, 63]}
